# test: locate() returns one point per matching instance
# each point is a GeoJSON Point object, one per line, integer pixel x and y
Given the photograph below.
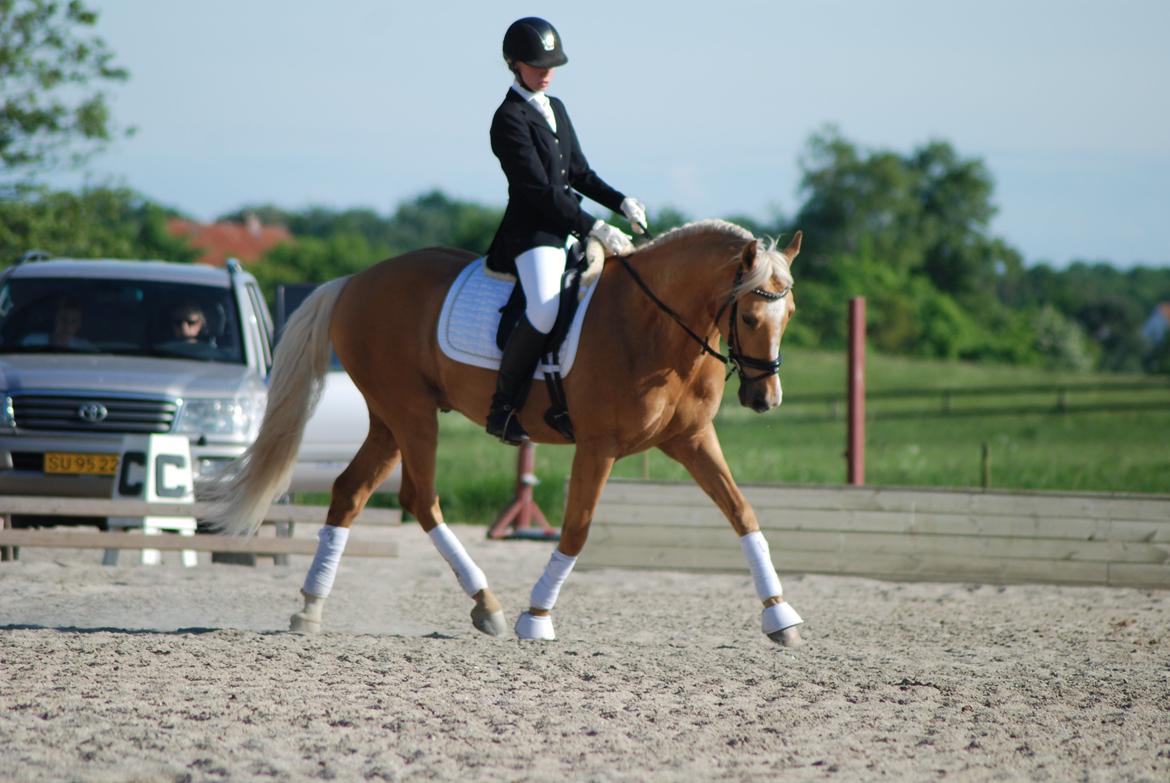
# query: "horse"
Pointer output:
{"type": "Point", "coordinates": [645, 376]}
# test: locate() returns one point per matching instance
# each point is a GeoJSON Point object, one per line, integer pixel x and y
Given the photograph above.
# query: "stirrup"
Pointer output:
{"type": "Point", "coordinates": [510, 431]}
{"type": "Point", "coordinates": [558, 419]}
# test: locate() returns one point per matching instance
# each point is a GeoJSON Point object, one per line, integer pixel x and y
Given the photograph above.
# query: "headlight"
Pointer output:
{"type": "Point", "coordinates": [231, 416]}
{"type": "Point", "coordinates": [7, 417]}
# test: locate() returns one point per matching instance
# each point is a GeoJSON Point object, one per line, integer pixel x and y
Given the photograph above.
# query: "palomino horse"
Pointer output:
{"type": "Point", "coordinates": [645, 376]}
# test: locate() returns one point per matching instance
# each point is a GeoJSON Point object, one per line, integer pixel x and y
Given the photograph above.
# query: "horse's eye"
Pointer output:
{"type": "Point", "coordinates": [750, 321]}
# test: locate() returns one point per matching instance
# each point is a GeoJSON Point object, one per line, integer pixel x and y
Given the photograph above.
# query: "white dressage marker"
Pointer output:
{"type": "Point", "coordinates": [155, 468]}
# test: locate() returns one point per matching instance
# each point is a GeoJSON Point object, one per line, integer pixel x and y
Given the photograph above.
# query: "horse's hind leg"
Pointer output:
{"type": "Point", "coordinates": [370, 466]}
{"type": "Point", "coordinates": [419, 438]}
{"type": "Point", "coordinates": [701, 455]}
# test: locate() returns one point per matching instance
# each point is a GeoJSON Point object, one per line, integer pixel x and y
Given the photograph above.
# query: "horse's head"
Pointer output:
{"type": "Point", "coordinates": [759, 308]}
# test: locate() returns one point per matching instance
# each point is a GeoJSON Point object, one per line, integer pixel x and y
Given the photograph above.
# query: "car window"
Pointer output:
{"type": "Point", "coordinates": [127, 317]}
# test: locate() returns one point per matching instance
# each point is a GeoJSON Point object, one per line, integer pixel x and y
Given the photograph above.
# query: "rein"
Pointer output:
{"type": "Point", "coordinates": [735, 360]}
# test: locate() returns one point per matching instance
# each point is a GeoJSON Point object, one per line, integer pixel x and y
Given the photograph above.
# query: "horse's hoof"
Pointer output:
{"type": "Point", "coordinates": [789, 637]}
{"type": "Point", "coordinates": [491, 623]}
{"type": "Point", "coordinates": [300, 623]}
{"type": "Point", "coordinates": [535, 627]}
{"type": "Point", "coordinates": [780, 621]}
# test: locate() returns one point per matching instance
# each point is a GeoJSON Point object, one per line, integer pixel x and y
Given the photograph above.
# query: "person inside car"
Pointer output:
{"type": "Point", "coordinates": [67, 322]}
{"type": "Point", "coordinates": [188, 324]}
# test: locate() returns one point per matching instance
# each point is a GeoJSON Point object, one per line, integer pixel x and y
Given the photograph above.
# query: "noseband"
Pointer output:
{"type": "Point", "coordinates": [735, 359]}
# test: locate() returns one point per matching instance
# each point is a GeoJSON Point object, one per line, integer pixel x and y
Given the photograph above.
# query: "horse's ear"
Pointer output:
{"type": "Point", "coordinates": [748, 257]}
{"type": "Point", "coordinates": [793, 249]}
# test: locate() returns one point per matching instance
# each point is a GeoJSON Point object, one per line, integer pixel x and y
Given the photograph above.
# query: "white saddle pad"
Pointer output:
{"type": "Point", "coordinates": [470, 317]}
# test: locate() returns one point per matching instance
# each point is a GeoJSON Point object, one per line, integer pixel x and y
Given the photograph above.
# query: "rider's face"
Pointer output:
{"type": "Point", "coordinates": [535, 79]}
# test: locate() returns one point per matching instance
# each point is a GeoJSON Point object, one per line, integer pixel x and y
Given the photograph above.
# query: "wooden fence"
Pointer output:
{"type": "Point", "coordinates": [283, 517]}
{"type": "Point", "coordinates": [893, 533]}
{"type": "Point", "coordinates": [990, 400]}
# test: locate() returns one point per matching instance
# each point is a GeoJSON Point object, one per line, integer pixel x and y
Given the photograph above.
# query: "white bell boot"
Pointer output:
{"type": "Point", "coordinates": [535, 627]}
{"type": "Point", "coordinates": [308, 620]}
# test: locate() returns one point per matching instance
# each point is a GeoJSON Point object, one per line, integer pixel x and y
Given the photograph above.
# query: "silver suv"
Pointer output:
{"type": "Point", "coordinates": [91, 350]}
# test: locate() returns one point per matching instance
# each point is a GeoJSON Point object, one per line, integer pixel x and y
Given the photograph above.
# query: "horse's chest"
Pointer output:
{"type": "Point", "coordinates": [675, 402]}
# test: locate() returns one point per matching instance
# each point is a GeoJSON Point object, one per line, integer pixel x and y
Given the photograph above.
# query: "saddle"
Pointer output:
{"type": "Point", "coordinates": [557, 415]}
{"type": "Point", "coordinates": [472, 319]}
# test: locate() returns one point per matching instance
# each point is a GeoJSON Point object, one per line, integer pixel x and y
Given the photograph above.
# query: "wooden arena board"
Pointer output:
{"type": "Point", "coordinates": [283, 516]}
{"type": "Point", "coordinates": [893, 533]}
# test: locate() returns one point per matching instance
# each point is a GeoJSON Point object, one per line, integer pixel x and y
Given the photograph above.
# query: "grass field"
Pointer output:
{"type": "Point", "coordinates": [1106, 441]}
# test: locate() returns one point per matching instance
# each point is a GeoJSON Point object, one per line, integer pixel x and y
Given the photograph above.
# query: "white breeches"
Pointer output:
{"type": "Point", "coordinates": [540, 270]}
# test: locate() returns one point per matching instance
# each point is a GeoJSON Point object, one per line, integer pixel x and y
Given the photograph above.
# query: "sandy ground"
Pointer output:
{"type": "Point", "coordinates": [165, 673]}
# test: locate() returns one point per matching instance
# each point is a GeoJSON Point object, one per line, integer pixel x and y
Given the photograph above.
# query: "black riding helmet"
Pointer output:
{"type": "Point", "coordinates": [534, 41]}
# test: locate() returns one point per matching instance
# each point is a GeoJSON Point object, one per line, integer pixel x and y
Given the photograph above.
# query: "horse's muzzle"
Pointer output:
{"type": "Point", "coordinates": [760, 396]}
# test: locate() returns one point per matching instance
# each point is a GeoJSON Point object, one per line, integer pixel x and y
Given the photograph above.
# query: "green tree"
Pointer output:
{"type": "Point", "coordinates": [95, 223]}
{"type": "Point", "coordinates": [53, 108]}
{"type": "Point", "coordinates": [429, 219]}
{"type": "Point", "coordinates": [927, 213]}
{"type": "Point", "coordinates": [314, 260]}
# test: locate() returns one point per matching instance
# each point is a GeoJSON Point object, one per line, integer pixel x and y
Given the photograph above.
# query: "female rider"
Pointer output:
{"type": "Point", "coordinates": [534, 140]}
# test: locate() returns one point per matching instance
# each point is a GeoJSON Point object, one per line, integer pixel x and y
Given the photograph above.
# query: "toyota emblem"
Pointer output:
{"type": "Point", "coordinates": [93, 412]}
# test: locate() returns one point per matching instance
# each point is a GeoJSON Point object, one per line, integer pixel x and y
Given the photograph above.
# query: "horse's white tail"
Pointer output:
{"type": "Point", "coordinates": [242, 493]}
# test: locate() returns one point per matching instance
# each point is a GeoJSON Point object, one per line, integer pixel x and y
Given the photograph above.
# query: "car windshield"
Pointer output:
{"type": "Point", "coordinates": [127, 317]}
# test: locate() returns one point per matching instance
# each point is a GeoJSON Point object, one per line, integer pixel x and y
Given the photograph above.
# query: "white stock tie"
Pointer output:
{"type": "Point", "coordinates": [545, 108]}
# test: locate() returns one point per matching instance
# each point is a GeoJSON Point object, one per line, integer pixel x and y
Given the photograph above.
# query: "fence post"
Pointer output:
{"type": "Point", "coordinates": [855, 434]}
{"type": "Point", "coordinates": [517, 520]}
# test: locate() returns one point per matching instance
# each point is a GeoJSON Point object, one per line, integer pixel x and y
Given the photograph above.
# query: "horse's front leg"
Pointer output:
{"type": "Point", "coordinates": [588, 477]}
{"type": "Point", "coordinates": [702, 456]}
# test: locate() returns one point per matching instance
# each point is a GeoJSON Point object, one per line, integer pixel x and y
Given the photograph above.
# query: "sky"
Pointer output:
{"type": "Point", "coordinates": [706, 108]}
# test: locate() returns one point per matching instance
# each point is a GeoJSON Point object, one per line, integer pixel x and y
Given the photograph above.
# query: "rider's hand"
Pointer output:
{"type": "Point", "coordinates": [612, 239]}
{"type": "Point", "coordinates": [635, 212]}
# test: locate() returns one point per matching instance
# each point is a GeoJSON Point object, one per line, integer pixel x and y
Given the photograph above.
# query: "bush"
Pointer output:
{"type": "Point", "coordinates": [1060, 341]}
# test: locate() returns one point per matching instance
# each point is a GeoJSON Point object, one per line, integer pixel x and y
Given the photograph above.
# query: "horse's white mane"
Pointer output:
{"type": "Point", "coordinates": [775, 264]}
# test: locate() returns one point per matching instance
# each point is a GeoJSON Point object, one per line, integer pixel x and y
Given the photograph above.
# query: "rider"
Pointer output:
{"type": "Point", "coordinates": [538, 151]}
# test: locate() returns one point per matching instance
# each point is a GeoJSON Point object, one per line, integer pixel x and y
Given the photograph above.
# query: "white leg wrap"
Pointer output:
{"type": "Point", "coordinates": [778, 617]}
{"type": "Point", "coordinates": [330, 544]}
{"type": "Point", "coordinates": [544, 594]}
{"type": "Point", "coordinates": [471, 578]}
{"type": "Point", "coordinates": [755, 549]}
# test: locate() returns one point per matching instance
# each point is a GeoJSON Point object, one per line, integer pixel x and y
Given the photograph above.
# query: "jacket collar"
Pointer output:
{"type": "Point", "coordinates": [530, 111]}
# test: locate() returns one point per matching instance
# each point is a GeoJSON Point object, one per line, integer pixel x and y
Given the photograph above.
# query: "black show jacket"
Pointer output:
{"type": "Point", "coordinates": [543, 170]}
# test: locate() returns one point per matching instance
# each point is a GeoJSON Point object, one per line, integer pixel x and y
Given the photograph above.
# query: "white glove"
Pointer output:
{"type": "Point", "coordinates": [612, 239]}
{"type": "Point", "coordinates": [635, 212]}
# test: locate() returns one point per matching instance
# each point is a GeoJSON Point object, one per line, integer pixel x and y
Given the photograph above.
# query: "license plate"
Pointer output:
{"type": "Point", "coordinates": [85, 464]}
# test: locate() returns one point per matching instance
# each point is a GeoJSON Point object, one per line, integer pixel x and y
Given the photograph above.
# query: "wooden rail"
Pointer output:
{"type": "Point", "coordinates": [963, 401]}
{"type": "Point", "coordinates": [105, 507]}
{"type": "Point", "coordinates": [200, 542]}
{"type": "Point", "coordinates": [893, 533]}
{"type": "Point", "coordinates": [284, 516]}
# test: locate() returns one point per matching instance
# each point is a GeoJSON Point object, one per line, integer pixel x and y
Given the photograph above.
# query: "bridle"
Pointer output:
{"type": "Point", "coordinates": [735, 359]}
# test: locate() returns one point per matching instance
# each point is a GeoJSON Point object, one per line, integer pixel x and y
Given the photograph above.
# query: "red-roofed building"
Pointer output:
{"type": "Point", "coordinates": [221, 241]}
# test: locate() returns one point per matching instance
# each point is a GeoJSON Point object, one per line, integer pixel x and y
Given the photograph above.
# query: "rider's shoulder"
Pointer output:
{"type": "Point", "coordinates": [510, 106]}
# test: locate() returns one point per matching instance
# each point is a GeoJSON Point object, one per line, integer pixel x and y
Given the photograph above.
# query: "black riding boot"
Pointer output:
{"type": "Point", "coordinates": [521, 354]}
